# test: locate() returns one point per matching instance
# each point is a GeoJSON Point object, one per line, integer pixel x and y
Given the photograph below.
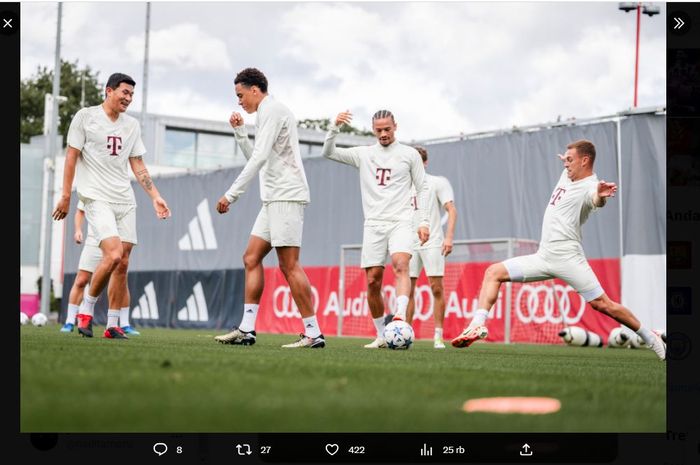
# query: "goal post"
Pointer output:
{"type": "Point", "coordinates": [529, 312]}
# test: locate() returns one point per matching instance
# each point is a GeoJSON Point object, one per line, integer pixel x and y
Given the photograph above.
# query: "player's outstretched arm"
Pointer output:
{"type": "Point", "coordinates": [348, 156]}
{"type": "Point", "coordinates": [61, 210]}
{"type": "Point", "coordinates": [141, 172]}
{"type": "Point", "coordinates": [603, 191]}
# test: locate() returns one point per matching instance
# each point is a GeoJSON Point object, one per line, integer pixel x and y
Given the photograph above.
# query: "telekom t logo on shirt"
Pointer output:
{"type": "Point", "coordinates": [114, 143]}
{"type": "Point", "coordinates": [383, 175]}
{"type": "Point", "coordinates": [558, 193]}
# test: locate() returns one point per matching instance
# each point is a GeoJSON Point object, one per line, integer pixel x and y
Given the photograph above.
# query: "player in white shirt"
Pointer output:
{"type": "Point", "coordinates": [560, 255]}
{"type": "Point", "coordinates": [90, 258]}
{"type": "Point", "coordinates": [388, 170]}
{"type": "Point", "coordinates": [431, 255]}
{"type": "Point", "coordinates": [284, 193]}
{"type": "Point", "coordinates": [102, 141]}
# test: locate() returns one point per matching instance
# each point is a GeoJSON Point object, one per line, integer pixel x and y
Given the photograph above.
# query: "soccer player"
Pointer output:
{"type": "Point", "coordinates": [284, 193]}
{"type": "Point", "coordinates": [431, 255]}
{"type": "Point", "coordinates": [90, 258]}
{"type": "Point", "coordinates": [102, 140]}
{"type": "Point", "coordinates": [577, 194]}
{"type": "Point", "coordinates": [388, 170]}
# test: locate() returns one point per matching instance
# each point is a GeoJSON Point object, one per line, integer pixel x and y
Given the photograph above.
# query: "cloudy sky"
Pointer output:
{"type": "Point", "coordinates": [442, 68]}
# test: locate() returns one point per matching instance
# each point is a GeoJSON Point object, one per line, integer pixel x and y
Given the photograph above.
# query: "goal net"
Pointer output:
{"type": "Point", "coordinates": [524, 312]}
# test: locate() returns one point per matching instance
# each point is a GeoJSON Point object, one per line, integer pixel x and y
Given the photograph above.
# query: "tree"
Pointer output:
{"type": "Point", "coordinates": [33, 89]}
{"type": "Point", "coordinates": [324, 123]}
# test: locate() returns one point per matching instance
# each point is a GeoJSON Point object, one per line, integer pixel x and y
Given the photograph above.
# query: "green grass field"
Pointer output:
{"type": "Point", "coordinates": [182, 381]}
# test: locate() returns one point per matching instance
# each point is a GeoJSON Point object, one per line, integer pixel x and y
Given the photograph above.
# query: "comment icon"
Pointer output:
{"type": "Point", "coordinates": [160, 448]}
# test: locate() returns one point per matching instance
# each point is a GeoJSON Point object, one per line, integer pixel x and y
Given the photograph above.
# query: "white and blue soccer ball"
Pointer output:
{"type": "Point", "coordinates": [23, 318]}
{"type": "Point", "coordinates": [39, 319]}
{"type": "Point", "coordinates": [398, 335]}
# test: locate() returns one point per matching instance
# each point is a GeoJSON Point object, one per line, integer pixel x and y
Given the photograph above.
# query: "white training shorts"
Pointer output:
{"type": "Point", "coordinates": [569, 265]}
{"type": "Point", "coordinates": [111, 220]}
{"type": "Point", "coordinates": [431, 259]}
{"type": "Point", "coordinates": [280, 223]}
{"type": "Point", "coordinates": [90, 257]}
{"type": "Point", "coordinates": [379, 238]}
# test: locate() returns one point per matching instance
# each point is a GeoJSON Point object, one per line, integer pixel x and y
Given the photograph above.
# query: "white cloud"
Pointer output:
{"type": "Point", "coordinates": [185, 46]}
{"type": "Point", "coordinates": [183, 101]}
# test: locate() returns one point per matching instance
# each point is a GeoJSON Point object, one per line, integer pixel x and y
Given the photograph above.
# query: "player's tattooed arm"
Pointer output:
{"type": "Point", "coordinates": [141, 173]}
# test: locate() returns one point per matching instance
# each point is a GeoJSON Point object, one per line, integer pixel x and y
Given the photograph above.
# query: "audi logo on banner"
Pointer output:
{"type": "Point", "coordinates": [423, 299]}
{"type": "Point", "coordinates": [538, 304]}
{"type": "Point", "coordinates": [284, 306]}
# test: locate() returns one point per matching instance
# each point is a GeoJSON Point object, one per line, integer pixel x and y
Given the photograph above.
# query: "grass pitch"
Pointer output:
{"type": "Point", "coordinates": [170, 380]}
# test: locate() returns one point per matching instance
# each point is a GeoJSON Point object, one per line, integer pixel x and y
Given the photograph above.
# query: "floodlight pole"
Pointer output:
{"type": "Point", "coordinates": [51, 170]}
{"type": "Point", "coordinates": [636, 60]}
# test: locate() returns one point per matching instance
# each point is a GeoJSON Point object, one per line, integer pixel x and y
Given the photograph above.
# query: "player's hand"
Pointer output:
{"type": "Point", "coordinates": [78, 236]}
{"type": "Point", "coordinates": [606, 189]}
{"type": "Point", "coordinates": [222, 205]}
{"type": "Point", "coordinates": [423, 234]}
{"type": "Point", "coordinates": [161, 208]}
{"type": "Point", "coordinates": [561, 157]}
{"type": "Point", "coordinates": [446, 247]}
{"type": "Point", "coordinates": [61, 210]}
{"type": "Point", "coordinates": [344, 117]}
{"type": "Point", "coordinates": [236, 119]}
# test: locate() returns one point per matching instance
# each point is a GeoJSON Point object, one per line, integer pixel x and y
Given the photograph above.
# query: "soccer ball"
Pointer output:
{"type": "Point", "coordinates": [398, 335]}
{"type": "Point", "coordinates": [23, 318]}
{"type": "Point", "coordinates": [39, 319]}
{"type": "Point", "coordinates": [576, 336]}
{"type": "Point", "coordinates": [618, 338]}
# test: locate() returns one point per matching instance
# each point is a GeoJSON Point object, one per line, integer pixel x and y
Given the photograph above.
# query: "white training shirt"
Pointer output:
{"type": "Point", "coordinates": [386, 177]}
{"type": "Point", "coordinates": [91, 238]}
{"type": "Point", "coordinates": [105, 146]}
{"type": "Point", "coordinates": [439, 193]}
{"type": "Point", "coordinates": [275, 155]}
{"type": "Point", "coordinates": [568, 208]}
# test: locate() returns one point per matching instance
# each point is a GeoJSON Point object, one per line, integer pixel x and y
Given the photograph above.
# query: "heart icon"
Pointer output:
{"type": "Point", "coordinates": [332, 449]}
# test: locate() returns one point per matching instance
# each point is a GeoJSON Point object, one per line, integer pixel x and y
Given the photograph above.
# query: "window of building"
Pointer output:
{"type": "Point", "coordinates": [180, 148]}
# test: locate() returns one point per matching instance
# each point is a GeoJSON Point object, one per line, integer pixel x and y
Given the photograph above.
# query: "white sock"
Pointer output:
{"type": "Point", "coordinates": [72, 311]}
{"type": "Point", "coordinates": [124, 317]}
{"type": "Point", "coordinates": [647, 335]}
{"type": "Point", "coordinates": [379, 324]}
{"type": "Point", "coordinates": [438, 333]}
{"type": "Point", "coordinates": [401, 306]}
{"type": "Point", "coordinates": [87, 307]}
{"type": "Point", "coordinates": [250, 314]}
{"type": "Point", "coordinates": [479, 319]}
{"type": "Point", "coordinates": [112, 318]}
{"type": "Point", "coordinates": [311, 328]}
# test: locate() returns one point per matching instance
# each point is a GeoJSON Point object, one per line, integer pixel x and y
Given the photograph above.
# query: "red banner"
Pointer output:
{"type": "Point", "coordinates": [538, 310]}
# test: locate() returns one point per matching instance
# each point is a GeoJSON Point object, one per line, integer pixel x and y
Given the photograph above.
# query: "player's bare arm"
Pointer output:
{"type": "Point", "coordinates": [78, 223]}
{"type": "Point", "coordinates": [63, 204]}
{"type": "Point", "coordinates": [449, 235]}
{"type": "Point", "coordinates": [141, 172]}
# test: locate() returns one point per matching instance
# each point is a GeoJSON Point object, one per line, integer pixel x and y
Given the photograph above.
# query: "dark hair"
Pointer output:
{"type": "Point", "coordinates": [252, 77]}
{"type": "Point", "coordinates": [583, 147]}
{"type": "Point", "coordinates": [117, 78]}
{"type": "Point", "coordinates": [383, 114]}
{"type": "Point", "coordinates": [423, 153]}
